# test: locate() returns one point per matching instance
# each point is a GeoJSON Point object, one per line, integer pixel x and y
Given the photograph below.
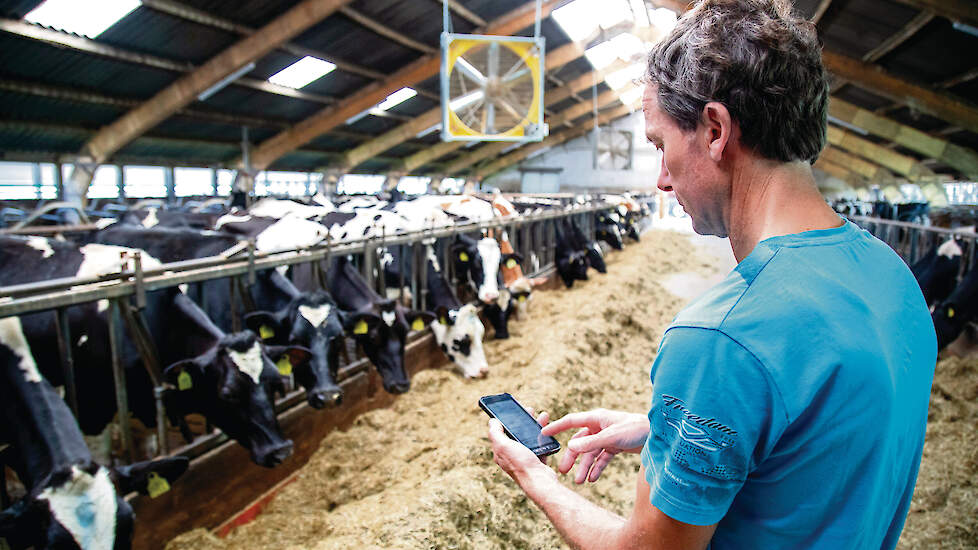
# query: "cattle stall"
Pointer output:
{"type": "Point", "coordinates": [913, 241]}
{"type": "Point", "coordinates": [221, 479]}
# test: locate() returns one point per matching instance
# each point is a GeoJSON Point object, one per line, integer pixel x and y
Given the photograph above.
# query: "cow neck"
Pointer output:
{"type": "Point", "coordinates": [281, 284]}
{"type": "Point", "coordinates": [348, 288]}
{"type": "Point", "coordinates": [202, 329]}
{"type": "Point", "coordinates": [439, 292]}
{"type": "Point", "coordinates": [43, 431]}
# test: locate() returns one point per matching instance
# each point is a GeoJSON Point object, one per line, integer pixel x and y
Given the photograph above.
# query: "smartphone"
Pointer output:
{"type": "Point", "coordinates": [518, 423]}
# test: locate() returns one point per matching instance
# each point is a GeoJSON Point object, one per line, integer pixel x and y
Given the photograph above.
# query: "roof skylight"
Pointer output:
{"type": "Point", "coordinates": [302, 72]}
{"type": "Point", "coordinates": [396, 99]}
{"type": "Point", "coordinates": [631, 96]}
{"type": "Point", "coordinates": [623, 77]}
{"type": "Point", "coordinates": [85, 18]}
{"type": "Point", "coordinates": [663, 18]}
{"type": "Point", "coordinates": [640, 12]}
{"type": "Point", "coordinates": [581, 18]}
{"type": "Point", "coordinates": [625, 46]}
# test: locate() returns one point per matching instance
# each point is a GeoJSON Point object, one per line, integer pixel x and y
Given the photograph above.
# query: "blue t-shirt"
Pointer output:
{"type": "Point", "coordinates": [790, 401]}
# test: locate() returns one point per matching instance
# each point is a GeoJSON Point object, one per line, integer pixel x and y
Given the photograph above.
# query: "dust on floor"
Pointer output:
{"type": "Point", "coordinates": [420, 474]}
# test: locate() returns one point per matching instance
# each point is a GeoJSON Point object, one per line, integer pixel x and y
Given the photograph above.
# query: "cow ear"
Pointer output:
{"type": "Point", "coordinates": [152, 477]}
{"type": "Point", "coordinates": [419, 320]}
{"type": "Point", "coordinates": [184, 375]}
{"type": "Point", "coordinates": [442, 315]}
{"type": "Point", "coordinates": [297, 355]}
{"type": "Point", "coordinates": [265, 324]}
{"type": "Point", "coordinates": [360, 323]}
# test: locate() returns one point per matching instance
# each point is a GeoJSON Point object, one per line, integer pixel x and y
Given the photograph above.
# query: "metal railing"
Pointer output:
{"type": "Point", "coordinates": [126, 294]}
{"type": "Point", "coordinates": [913, 241]}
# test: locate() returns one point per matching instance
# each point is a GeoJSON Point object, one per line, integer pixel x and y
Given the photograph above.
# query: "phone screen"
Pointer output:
{"type": "Point", "coordinates": [523, 427]}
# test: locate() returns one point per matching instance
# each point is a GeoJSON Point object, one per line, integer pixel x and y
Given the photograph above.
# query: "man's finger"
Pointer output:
{"type": "Point", "coordinates": [543, 419]}
{"type": "Point", "coordinates": [591, 442]}
{"type": "Point", "coordinates": [572, 420]}
{"type": "Point", "coordinates": [570, 456]}
{"type": "Point", "coordinates": [599, 465]}
{"type": "Point", "coordinates": [587, 459]}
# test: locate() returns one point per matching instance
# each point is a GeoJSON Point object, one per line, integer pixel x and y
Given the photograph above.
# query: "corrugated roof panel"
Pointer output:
{"type": "Point", "coordinates": [196, 129]}
{"type": "Point", "coordinates": [247, 101]}
{"type": "Point", "coordinates": [348, 40]}
{"type": "Point", "coordinates": [918, 120]}
{"type": "Point", "coordinates": [35, 61]}
{"type": "Point", "coordinates": [160, 34]}
{"type": "Point", "coordinates": [924, 57]}
{"type": "Point", "coordinates": [967, 90]}
{"type": "Point", "coordinates": [374, 125]}
{"type": "Point", "coordinates": [332, 142]}
{"type": "Point", "coordinates": [37, 140]}
{"type": "Point", "coordinates": [254, 13]}
{"type": "Point", "coordinates": [17, 9]}
{"type": "Point", "coordinates": [858, 26]}
{"type": "Point", "coordinates": [491, 9]}
{"type": "Point", "coordinates": [421, 21]}
{"type": "Point", "coordinates": [188, 152]}
{"type": "Point", "coordinates": [15, 106]}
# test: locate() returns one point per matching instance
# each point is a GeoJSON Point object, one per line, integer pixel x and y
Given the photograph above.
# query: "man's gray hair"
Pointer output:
{"type": "Point", "coordinates": [756, 58]}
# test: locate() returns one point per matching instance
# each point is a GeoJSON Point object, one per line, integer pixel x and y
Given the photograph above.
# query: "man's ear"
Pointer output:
{"type": "Point", "coordinates": [718, 127]}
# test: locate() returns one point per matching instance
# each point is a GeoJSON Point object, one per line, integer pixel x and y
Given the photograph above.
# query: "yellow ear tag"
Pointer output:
{"type": "Point", "coordinates": [950, 312]}
{"type": "Point", "coordinates": [184, 382]}
{"type": "Point", "coordinates": [521, 299]}
{"type": "Point", "coordinates": [510, 263]}
{"type": "Point", "coordinates": [464, 256]}
{"type": "Point", "coordinates": [157, 485]}
{"type": "Point", "coordinates": [360, 327]}
{"type": "Point", "coordinates": [443, 321]}
{"type": "Point", "coordinates": [284, 365]}
{"type": "Point", "coordinates": [417, 324]}
{"type": "Point", "coordinates": [266, 332]}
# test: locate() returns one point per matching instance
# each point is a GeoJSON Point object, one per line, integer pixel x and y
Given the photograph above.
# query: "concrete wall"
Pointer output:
{"type": "Point", "coordinates": [576, 157]}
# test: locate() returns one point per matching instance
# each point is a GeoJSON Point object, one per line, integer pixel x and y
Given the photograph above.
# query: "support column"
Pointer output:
{"type": "Point", "coordinates": [59, 181]}
{"type": "Point", "coordinates": [214, 182]}
{"type": "Point", "coordinates": [169, 181]}
{"type": "Point", "coordinates": [120, 181]}
{"type": "Point", "coordinates": [81, 177]}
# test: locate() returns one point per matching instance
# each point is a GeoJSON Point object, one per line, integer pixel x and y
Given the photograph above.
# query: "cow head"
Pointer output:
{"type": "Point", "coordinates": [83, 506]}
{"type": "Point", "coordinates": [522, 291]}
{"type": "Point", "coordinates": [382, 334]}
{"type": "Point", "coordinates": [459, 333]}
{"type": "Point", "coordinates": [596, 257]}
{"type": "Point", "coordinates": [609, 231]}
{"type": "Point", "coordinates": [479, 262]}
{"type": "Point", "coordinates": [499, 311]}
{"type": "Point", "coordinates": [573, 267]}
{"type": "Point", "coordinates": [232, 384]}
{"type": "Point", "coordinates": [309, 323]}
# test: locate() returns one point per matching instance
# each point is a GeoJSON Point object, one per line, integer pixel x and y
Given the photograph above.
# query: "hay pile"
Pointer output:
{"type": "Point", "coordinates": [944, 512]}
{"type": "Point", "coordinates": [421, 475]}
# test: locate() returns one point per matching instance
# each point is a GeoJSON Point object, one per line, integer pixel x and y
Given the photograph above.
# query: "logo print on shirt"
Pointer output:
{"type": "Point", "coordinates": [695, 436]}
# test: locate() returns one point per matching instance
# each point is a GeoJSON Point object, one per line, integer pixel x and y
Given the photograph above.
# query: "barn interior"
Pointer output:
{"type": "Point", "coordinates": [137, 111]}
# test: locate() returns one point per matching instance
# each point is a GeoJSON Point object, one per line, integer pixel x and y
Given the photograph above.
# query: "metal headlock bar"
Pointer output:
{"type": "Point", "coordinates": [911, 241]}
{"type": "Point", "coordinates": [126, 293]}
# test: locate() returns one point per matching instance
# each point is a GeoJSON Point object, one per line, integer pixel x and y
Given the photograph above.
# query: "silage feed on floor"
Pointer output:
{"type": "Point", "coordinates": [420, 474]}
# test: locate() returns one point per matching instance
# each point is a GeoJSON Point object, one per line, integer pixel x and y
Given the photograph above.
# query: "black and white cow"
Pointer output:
{"type": "Point", "coordinates": [477, 263]}
{"type": "Point", "coordinates": [457, 328]}
{"type": "Point", "coordinates": [227, 377]}
{"type": "Point", "coordinates": [960, 308]}
{"type": "Point", "coordinates": [71, 502]}
{"type": "Point", "coordinates": [572, 263]}
{"type": "Point", "coordinates": [154, 216]}
{"type": "Point", "coordinates": [609, 230]}
{"type": "Point", "coordinates": [285, 316]}
{"type": "Point", "coordinates": [937, 271]}
{"type": "Point", "coordinates": [379, 325]}
{"type": "Point", "coordinates": [594, 254]}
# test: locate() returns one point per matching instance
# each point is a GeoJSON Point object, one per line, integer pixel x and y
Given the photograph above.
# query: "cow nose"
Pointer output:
{"type": "Point", "coordinates": [398, 387]}
{"type": "Point", "coordinates": [489, 296]}
{"type": "Point", "coordinates": [334, 397]}
{"type": "Point", "coordinates": [276, 455]}
{"type": "Point", "coordinates": [484, 371]}
{"type": "Point", "coordinates": [317, 400]}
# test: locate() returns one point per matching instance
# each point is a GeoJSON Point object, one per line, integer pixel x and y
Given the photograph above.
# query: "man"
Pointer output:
{"type": "Point", "coordinates": [790, 401]}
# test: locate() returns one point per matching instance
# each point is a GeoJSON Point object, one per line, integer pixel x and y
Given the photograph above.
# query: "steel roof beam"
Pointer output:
{"type": "Point", "coordinates": [556, 139]}
{"type": "Point", "coordinates": [492, 149]}
{"type": "Point", "coordinates": [386, 31]}
{"type": "Point", "coordinates": [185, 90]}
{"type": "Point", "coordinates": [960, 158]}
{"type": "Point", "coordinates": [873, 78]}
{"type": "Point", "coordinates": [79, 43]}
{"type": "Point", "coordinates": [365, 98]}
{"type": "Point", "coordinates": [201, 17]}
{"type": "Point", "coordinates": [557, 58]}
{"type": "Point", "coordinates": [417, 160]}
{"type": "Point", "coordinates": [464, 13]}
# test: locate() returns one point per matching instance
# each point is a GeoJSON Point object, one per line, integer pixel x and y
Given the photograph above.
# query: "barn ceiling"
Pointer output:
{"type": "Point", "coordinates": [905, 68]}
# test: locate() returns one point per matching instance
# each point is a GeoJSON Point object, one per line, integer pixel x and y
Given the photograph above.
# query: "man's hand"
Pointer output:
{"type": "Point", "coordinates": [602, 435]}
{"type": "Point", "coordinates": [512, 456]}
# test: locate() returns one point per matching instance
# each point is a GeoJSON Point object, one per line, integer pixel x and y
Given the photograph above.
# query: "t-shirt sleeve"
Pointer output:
{"type": "Point", "coordinates": [715, 415]}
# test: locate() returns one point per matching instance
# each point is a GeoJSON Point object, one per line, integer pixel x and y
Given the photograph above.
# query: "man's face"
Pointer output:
{"type": "Point", "coordinates": [687, 168]}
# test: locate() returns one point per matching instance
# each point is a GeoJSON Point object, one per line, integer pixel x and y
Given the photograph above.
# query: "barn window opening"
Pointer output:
{"type": "Point", "coordinates": [302, 73]}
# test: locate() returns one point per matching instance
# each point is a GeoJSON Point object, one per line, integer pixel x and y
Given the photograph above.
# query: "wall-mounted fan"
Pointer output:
{"type": "Point", "coordinates": [613, 150]}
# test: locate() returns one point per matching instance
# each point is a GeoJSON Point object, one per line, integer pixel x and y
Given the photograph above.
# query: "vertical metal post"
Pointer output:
{"type": "Point", "coordinates": [67, 361]}
{"type": "Point", "coordinates": [120, 180]}
{"type": "Point", "coordinates": [168, 181]}
{"type": "Point", "coordinates": [119, 376]}
{"type": "Point", "coordinates": [381, 277]}
{"type": "Point", "coordinates": [369, 251]}
{"type": "Point", "coordinates": [163, 444]}
{"type": "Point", "coordinates": [414, 277]}
{"type": "Point", "coordinates": [59, 180]}
{"type": "Point", "coordinates": [400, 273]}
{"type": "Point", "coordinates": [36, 179]}
{"type": "Point", "coordinates": [214, 182]}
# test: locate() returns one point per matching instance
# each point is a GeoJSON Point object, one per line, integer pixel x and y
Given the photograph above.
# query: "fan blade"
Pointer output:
{"type": "Point", "coordinates": [468, 70]}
